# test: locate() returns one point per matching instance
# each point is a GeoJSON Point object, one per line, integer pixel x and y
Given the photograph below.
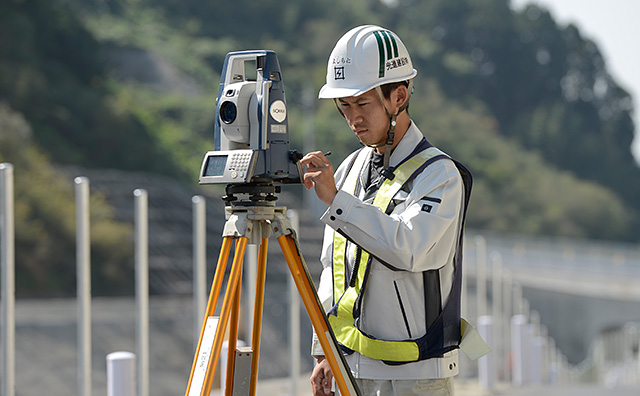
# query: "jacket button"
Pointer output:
{"type": "Point", "coordinates": [333, 218]}
{"type": "Point", "coordinates": [339, 211]}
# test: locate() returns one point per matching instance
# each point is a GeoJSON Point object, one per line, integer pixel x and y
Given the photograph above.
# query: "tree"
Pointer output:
{"type": "Point", "coordinates": [45, 223]}
{"type": "Point", "coordinates": [547, 86]}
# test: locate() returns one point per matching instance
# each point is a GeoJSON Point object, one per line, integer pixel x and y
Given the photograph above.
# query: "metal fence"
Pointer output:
{"type": "Point", "coordinates": [120, 360]}
{"type": "Point", "coordinates": [523, 351]}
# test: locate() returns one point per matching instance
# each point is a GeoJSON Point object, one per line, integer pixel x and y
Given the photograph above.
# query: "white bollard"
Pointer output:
{"type": "Point", "coordinates": [507, 312]}
{"type": "Point", "coordinates": [520, 347]}
{"type": "Point", "coordinates": [638, 366]}
{"type": "Point", "coordinates": [224, 358]}
{"type": "Point", "coordinates": [7, 280]}
{"type": "Point", "coordinates": [517, 299]}
{"type": "Point", "coordinates": [250, 275]}
{"type": "Point", "coordinates": [141, 229]}
{"type": "Point", "coordinates": [199, 209]}
{"type": "Point", "coordinates": [497, 311]}
{"type": "Point", "coordinates": [529, 336]}
{"type": "Point", "coordinates": [121, 374]}
{"type": "Point", "coordinates": [294, 319]}
{"type": "Point", "coordinates": [481, 275]}
{"type": "Point", "coordinates": [83, 270]}
{"type": "Point", "coordinates": [537, 359]}
{"type": "Point", "coordinates": [486, 364]}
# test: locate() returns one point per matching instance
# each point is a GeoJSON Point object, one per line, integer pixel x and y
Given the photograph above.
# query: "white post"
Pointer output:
{"type": "Point", "coordinates": [507, 304]}
{"type": "Point", "coordinates": [83, 268]}
{"type": "Point", "coordinates": [535, 356]}
{"type": "Point", "coordinates": [464, 310]}
{"type": "Point", "coordinates": [294, 318]}
{"type": "Point", "coordinates": [638, 365]}
{"type": "Point", "coordinates": [554, 368]}
{"type": "Point", "coordinates": [496, 306]}
{"type": "Point", "coordinates": [223, 359]}
{"type": "Point", "coordinates": [537, 359]}
{"type": "Point", "coordinates": [250, 275]}
{"type": "Point", "coordinates": [486, 364]}
{"type": "Point", "coordinates": [526, 307]}
{"type": "Point", "coordinates": [199, 263]}
{"type": "Point", "coordinates": [121, 374]}
{"type": "Point", "coordinates": [142, 289]}
{"type": "Point", "coordinates": [520, 349]}
{"type": "Point", "coordinates": [7, 250]}
{"type": "Point", "coordinates": [481, 275]}
{"type": "Point", "coordinates": [518, 301]}
{"type": "Point", "coordinates": [546, 356]}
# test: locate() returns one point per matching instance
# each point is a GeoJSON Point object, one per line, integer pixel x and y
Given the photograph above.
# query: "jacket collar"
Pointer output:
{"type": "Point", "coordinates": [405, 147]}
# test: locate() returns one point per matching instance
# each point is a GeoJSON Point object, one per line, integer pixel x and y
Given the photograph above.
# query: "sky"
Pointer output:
{"type": "Point", "coordinates": [613, 25]}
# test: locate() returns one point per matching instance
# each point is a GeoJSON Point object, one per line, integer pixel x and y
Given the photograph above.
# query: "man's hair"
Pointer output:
{"type": "Point", "coordinates": [387, 88]}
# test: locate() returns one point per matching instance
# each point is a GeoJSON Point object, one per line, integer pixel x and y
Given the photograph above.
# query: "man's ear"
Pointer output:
{"type": "Point", "coordinates": [399, 96]}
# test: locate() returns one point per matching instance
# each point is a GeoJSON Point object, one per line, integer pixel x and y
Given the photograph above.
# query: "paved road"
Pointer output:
{"type": "Point", "coordinates": [566, 390]}
{"type": "Point", "coordinates": [282, 387]}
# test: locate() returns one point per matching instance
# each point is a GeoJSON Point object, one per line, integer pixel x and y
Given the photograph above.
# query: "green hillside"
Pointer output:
{"type": "Point", "coordinates": [527, 105]}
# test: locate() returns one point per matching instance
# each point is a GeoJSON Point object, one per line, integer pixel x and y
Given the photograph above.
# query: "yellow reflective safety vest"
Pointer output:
{"type": "Point", "coordinates": [443, 329]}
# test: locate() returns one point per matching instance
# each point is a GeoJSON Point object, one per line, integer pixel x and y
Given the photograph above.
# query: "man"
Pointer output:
{"type": "Point", "coordinates": [392, 244]}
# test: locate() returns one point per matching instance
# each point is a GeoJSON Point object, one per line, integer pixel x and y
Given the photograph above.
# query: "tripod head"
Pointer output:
{"type": "Point", "coordinates": [251, 212]}
{"type": "Point", "coordinates": [261, 194]}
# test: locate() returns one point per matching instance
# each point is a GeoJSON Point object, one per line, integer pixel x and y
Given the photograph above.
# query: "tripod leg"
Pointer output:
{"type": "Point", "coordinates": [213, 299]}
{"type": "Point", "coordinates": [233, 337]}
{"type": "Point", "coordinates": [234, 280]}
{"type": "Point", "coordinates": [307, 291]}
{"type": "Point", "coordinates": [257, 313]}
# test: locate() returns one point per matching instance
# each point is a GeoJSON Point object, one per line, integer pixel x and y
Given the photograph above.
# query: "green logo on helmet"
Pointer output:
{"type": "Point", "coordinates": [388, 52]}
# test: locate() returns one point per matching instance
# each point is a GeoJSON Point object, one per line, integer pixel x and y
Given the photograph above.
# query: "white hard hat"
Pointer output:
{"type": "Point", "coordinates": [364, 58]}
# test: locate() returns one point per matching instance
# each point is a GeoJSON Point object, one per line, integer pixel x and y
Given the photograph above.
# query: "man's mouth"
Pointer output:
{"type": "Point", "coordinates": [359, 131]}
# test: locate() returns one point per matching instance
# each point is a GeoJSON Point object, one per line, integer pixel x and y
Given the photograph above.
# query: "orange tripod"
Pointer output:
{"type": "Point", "coordinates": [254, 224]}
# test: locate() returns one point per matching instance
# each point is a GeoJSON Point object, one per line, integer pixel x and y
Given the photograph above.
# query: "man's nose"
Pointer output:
{"type": "Point", "coordinates": [355, 115]}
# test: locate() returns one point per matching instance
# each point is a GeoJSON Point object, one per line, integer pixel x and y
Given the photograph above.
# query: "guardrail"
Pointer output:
{"type": "Point", "coordinates": [523, 352]}
{"type": "Point", "coordinates": [119, 364]}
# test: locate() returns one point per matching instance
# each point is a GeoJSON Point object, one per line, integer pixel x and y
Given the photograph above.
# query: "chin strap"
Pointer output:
{"type": "Point", "coordinates": [391, 132]}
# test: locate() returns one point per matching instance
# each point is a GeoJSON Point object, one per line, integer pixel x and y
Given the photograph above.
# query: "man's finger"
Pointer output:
{"type": "Point", "coordinates": [316, 158]}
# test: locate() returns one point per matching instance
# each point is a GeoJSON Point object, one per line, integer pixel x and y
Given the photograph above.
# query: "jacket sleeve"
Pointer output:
{"type": "Point", "coordinates": [421, 231]}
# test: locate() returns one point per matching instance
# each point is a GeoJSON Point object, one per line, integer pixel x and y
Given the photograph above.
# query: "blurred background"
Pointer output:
{"type": "Point", "coordinates": [123, 92]}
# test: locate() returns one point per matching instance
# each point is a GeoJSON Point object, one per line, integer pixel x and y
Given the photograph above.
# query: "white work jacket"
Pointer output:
{"type": "Point", "coordinates": [412, 240]}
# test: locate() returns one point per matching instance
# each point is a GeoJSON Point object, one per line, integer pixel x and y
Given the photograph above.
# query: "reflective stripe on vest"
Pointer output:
{"type": "Point", "coordinates": [341, 317]}
{"type": "Point", "coordinates": [340, 242]}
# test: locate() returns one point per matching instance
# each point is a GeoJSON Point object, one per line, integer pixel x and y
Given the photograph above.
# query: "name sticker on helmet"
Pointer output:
{"type": "Point", "coordinates": [396, 63]}
{"type": "Point", "coordinates": [340, 60]}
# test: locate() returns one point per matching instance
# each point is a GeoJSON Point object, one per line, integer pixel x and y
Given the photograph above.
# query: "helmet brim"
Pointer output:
{"type": "Point", "coordinates": [327, 92]}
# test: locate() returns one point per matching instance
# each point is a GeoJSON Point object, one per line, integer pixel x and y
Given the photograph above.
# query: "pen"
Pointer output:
{"type": "Point", "coordinates": [327, 153]}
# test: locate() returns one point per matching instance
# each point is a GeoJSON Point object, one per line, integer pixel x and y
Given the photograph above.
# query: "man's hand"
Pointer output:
{"type": "Point", "coordinates": [319, 174]}
{"type": "Point", "coordinates": [321, 378]}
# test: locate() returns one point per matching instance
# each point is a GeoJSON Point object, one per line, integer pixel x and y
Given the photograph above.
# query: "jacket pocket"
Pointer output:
{"type": "Point", "coordinates": [403, 308]}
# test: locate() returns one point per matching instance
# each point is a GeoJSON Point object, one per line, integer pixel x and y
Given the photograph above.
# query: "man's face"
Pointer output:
{"type": "Point", "coordinates": [367, 117]}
